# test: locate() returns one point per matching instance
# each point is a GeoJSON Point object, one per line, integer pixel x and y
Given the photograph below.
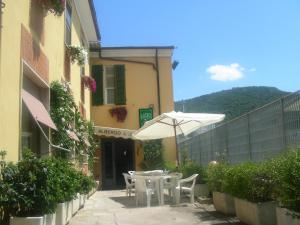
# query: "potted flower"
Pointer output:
{"type": "Point", "coordinates": [89, 82]}
{"type": "Point", "coordinates": [223, 202]}
{"type": "Point", "coordinates": [57, 7]}
{"type": "Point", "coordinates": [77, 54]}
{"type": "Point", "coordinates": [119, 112]}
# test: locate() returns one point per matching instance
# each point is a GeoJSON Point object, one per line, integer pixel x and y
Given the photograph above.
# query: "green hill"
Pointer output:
{"type": "Point", "coordinates": [232, 103]}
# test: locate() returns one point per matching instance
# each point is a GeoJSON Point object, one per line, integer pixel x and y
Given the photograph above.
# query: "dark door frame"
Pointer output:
{"type": "Point", "coordinates": [114, 172]}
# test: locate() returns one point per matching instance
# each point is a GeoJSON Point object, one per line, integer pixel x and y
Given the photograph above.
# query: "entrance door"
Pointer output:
{"type": "Point", "coordinates": [117, 158]}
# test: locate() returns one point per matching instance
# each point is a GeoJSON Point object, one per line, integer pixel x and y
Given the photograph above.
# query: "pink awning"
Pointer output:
{"type": "Point", "coordinates": [37, 110]}
{"type": "Point", "coordinates": [72, 135]}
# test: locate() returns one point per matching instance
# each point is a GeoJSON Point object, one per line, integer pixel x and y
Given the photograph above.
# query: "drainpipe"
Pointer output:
{"type": "Point", "coordinates": [157, 80]}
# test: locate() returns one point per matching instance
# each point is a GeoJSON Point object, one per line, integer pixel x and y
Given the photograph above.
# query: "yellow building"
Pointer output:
{"type": "Point", "coordinates": [134, 84]}
{"type": "Point", "coordinates": [32, 55]}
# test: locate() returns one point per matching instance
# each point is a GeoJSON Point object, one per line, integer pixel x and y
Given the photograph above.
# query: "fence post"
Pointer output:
{"type": "Point", "coordinates": [249, 137]}
{"type": "Point", "coordinates": [283, 124]}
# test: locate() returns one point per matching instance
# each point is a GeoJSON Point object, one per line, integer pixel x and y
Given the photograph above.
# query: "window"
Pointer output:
{"type": "Point", "coordinates": [82, 72]}
{"type": "Point", "coordinates": [109, 85]}
{"type": "Point", "coordinates": [68, 23]}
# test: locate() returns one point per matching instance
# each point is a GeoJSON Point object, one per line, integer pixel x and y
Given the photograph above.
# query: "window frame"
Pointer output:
{"type": "Point", "coordinates": [105, 88]}
{"type": "Point", "coordinates": [68, 23]}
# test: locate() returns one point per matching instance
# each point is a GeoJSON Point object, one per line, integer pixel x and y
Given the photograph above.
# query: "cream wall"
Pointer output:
{"type": "Point", "coordinates": [141, 91]}
{"type": "Point", "coordinates": [14, 14]}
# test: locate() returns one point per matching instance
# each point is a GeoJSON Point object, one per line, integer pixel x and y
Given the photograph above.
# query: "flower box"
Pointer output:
{"type": "Point", "coordinates": [285, 216]}
{"type": "Point", "coordinates": [255, 213]}
{"type": "Point", "coordinates": [61, 214]}
{"type": "Point", "coordinates": [82, 199]}
{"type": "Point", "coordinates": [224, 203]}
{"type": "Point", "coordinates": [50, 219]}
{"type": "Point", "coordinates": [75, 204]}
{"type": "Point", "coordinates": [201, 190]}
{"type": "Point", "coordinates": [27, 220]}
{"type": "Point", "coordinates": [69, 208]}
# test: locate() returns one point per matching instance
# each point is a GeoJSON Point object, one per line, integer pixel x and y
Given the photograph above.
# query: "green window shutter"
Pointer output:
{"type": "Point", "coordinates": [97, 74]}
{"type": "Point", "coordinates": [120, 89]}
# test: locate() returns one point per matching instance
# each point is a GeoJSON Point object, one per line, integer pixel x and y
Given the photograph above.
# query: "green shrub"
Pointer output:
{"type": "Point", "coordinates": [250, 181]}
{"type": "Point", "coordinates": [288, 179]}
{"type": "Point", "coordinates": [153, 155]}
{"type": "Point", "coordinates": [28, 185]}
{"type": "Point", "coordinates": [215, 176]}
{"type": "Point", "coordinates": [190, 168]}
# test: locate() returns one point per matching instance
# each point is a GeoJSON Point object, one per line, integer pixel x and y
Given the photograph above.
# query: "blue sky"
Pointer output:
{"type": "Point", "coordinates": [220, 44]}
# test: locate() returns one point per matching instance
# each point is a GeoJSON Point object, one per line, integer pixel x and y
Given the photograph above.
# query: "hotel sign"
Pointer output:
{"type": "Point", "coordinates": [113, 132]}
{"type": "Point", "coordinates": [145, 115]}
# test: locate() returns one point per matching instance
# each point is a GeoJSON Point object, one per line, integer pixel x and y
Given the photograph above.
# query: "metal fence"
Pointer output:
{"type": "Point", "coordinates": [255, 136]}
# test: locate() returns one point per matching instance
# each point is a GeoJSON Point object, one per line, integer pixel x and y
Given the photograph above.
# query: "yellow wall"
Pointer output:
{"type": "Point", "coordinates": [141, 92]}
{"type": "Point", "coordinates": [14, 14]}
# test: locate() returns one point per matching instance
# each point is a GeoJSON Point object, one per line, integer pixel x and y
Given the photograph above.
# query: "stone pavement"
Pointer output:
{"type": "Point", "coordinates": [114, 208]}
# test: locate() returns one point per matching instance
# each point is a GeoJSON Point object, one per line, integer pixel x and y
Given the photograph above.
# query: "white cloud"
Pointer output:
{"type": "Point", "coordinates": [226, 72]}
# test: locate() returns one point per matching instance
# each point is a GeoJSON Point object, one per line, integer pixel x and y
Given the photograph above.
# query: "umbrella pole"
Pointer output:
{"type": "Point", "coordinates": [176, 145]}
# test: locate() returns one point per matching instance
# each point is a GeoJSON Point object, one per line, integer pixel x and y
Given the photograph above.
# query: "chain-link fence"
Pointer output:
{"type": "Point", "coordinates": [255, 136]}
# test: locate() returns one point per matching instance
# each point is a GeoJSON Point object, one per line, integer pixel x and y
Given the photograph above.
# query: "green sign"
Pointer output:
{"type": "Point", "coordinates": [145, 115]}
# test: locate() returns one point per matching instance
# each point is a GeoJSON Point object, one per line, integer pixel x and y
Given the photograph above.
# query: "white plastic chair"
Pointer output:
{"type": "Point", "coordinates": [129, 185]}
{"type": "Point", "coordinates": [148, 186]}
{"type": "Point", "coordinates": [170, 183]}
{"type": "Point", "coordinates": [182, 188]}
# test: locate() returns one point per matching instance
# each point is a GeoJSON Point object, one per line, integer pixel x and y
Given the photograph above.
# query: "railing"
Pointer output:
{"type": "Point", "coordinates": [255, 136]}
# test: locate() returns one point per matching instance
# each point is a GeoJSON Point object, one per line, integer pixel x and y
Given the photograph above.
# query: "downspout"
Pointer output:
{"type": "Point", "coordinates": [157, 80]}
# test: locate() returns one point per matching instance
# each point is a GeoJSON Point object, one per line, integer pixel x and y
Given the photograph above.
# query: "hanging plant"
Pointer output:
{"type": "Point", "coordinates": [57, 7]}
{"type": "Point", "coordinates": [77, 54]}
{"type": "Point", "coordinates": [119, 112]}
{"type": "Point", "coordinates": [89, 83]}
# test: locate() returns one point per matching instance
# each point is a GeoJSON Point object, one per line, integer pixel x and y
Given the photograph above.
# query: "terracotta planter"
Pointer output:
{"type": "Point", "coordinates": [61, 214]}
{"type": "Point", "coordinates": [224, 203]}
{"type": "Point", "coordinates": [284, 217]}
{"type": "Point", "coordinates": [201, 190]}
{"type": "Point", "coordinates": [50, 219]}
{"type": "Point", "coordinates": [27, 220]}
{"type": "Point", "coordinates": [255, 213]}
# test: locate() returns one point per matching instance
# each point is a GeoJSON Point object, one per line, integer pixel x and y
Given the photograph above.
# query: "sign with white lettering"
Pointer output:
{"type": "Point", "coordinates": [113, 132]}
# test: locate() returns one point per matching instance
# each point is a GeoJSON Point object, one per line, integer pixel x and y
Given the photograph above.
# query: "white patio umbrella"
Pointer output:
{"type": "Point", "coordinates": [175, 123]}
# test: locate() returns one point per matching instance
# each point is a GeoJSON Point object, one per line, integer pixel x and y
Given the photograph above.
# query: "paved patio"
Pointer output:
{"type": "Point", "coordinates": [114, 208]}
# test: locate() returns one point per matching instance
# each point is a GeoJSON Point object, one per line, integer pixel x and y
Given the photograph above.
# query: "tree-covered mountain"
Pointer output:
{"type": "Point", "coordinates": [232, 103]}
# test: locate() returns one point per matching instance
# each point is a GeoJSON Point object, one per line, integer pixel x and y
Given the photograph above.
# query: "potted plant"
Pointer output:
{"type": "Point", "coordinates": [89, 83]}
{"type": "Point", "coordinates": [77, 54]}
{"type": "Point", "coordinates": [223, 202]}
{"type": "Point", "coordinates": [119, 112]}
{"type": "Point", "coordinates": [33, 194]}
{"type": "Point", "coordinates": [252, 185]}
{"type": "Point", "coordinates": [188, 169]}
{"type": "Point", "coordinates": [54, 6]}
{"type": "Point", "coordinates": [288, 191]}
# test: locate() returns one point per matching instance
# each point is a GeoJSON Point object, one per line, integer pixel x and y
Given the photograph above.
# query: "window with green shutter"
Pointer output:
{"type": "Point", "coordinates": [97, 74]}
{"type": "Point", "coordinates": [120, 89]}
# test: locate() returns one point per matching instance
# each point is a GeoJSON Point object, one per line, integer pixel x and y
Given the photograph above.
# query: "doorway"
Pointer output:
{"type": "Point", "coordinates": [117, 158]}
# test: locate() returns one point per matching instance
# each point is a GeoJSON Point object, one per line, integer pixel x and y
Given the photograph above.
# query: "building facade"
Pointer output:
{"type": "Point", "coordinates": [33, 44]}
{"type": "Point", "coordinates": [134, 84]}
